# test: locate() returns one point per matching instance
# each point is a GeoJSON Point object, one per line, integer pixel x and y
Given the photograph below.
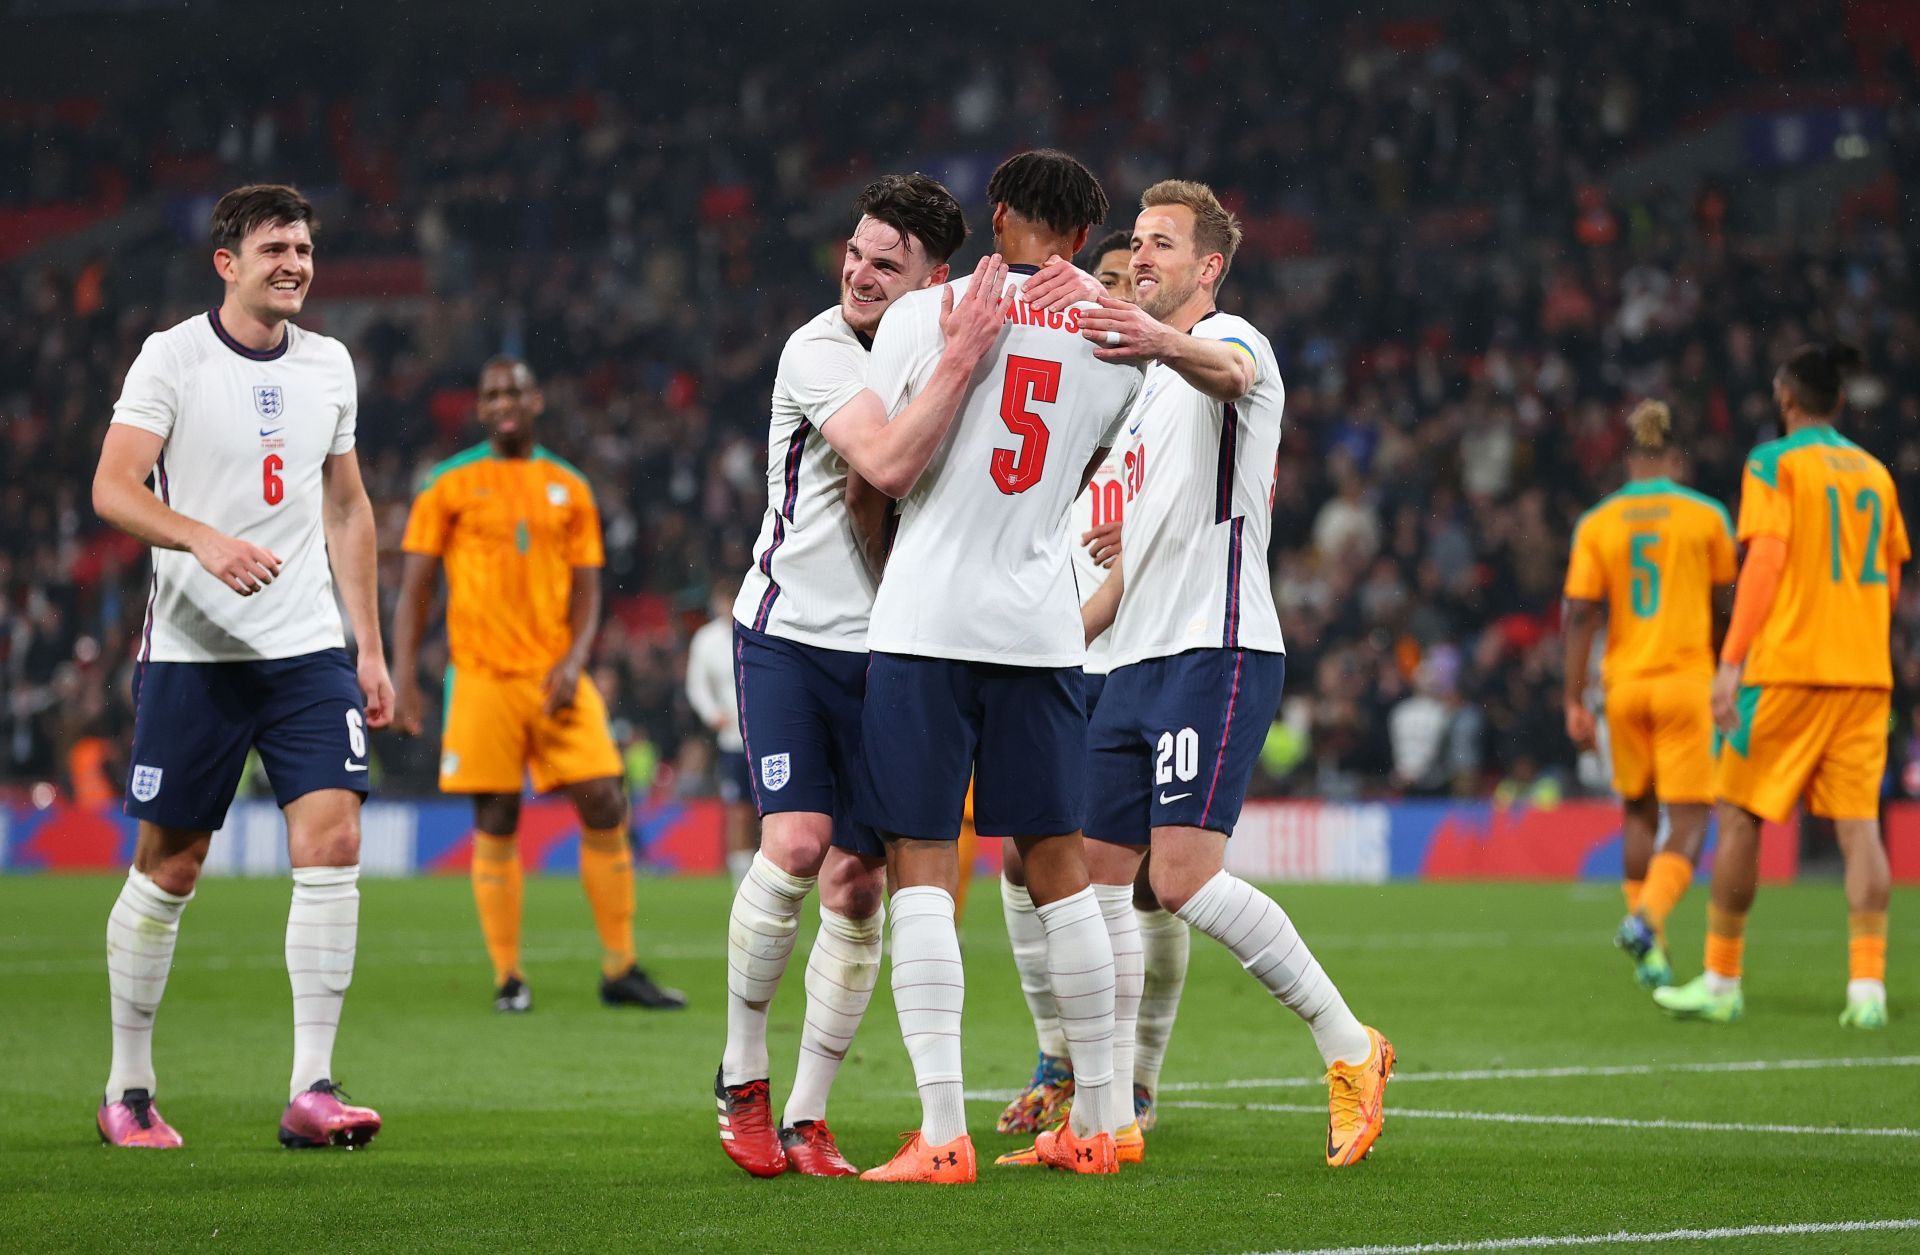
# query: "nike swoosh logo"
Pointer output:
{"type": "Point", "coordinates": [1333, 1152]}
{"type": "Point", "coordinates": [1169, 801]}
{"type": "Point", "coordinates": [264, 433]}
{"type": "Point", "coordinates": [353, 766]}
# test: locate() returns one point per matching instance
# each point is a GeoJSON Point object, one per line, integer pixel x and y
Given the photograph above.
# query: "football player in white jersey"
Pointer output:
{"type": "Point", "coordinates": [245, 424]}
{"type": "Point", "coordinates": [977, 645]}
{"type": "Point", "coordinates": [715, 700]}
{"type": "Point", "coordinates": [800, 660]}
{"type": "Point", "coordinates": [1150, 943]}
{"type": "Point", "coordinates": [1194, 639]}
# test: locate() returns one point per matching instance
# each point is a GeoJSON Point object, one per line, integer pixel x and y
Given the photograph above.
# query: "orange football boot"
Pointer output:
{"type": "Point", "coordinates": [951, 1164]}
{"type": "Point", "coordinates": [1130, 1144]}
{"type": "Point", "coordinates": [1356, 1103]}
{"type": "Point", "coordinates": [1091, 1156]}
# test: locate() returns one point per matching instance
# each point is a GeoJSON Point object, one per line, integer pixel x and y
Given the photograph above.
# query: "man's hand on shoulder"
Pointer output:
{"type": "Point", "coordinates": [972, 324]}
{"type": "Point", "coordinates": [1123, 332]}
{"type": "Point", "coordinates": [1060, 284]}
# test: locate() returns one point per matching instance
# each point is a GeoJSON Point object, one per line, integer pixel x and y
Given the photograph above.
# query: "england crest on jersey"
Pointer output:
{"type": "Point", "coordinates": [146, 783]}
{"type": "Point", "coordinates": [775, 771]}
{"type": "Point", "coordinates": [267, 401]}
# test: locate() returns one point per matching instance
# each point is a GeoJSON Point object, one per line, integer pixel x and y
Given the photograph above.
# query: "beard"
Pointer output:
{"type": "Point", "coordinates": [1167, 297]}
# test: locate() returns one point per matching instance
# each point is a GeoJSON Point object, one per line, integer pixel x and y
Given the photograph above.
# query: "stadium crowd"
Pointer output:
{"type": "Point", "coordinates": [1463, 313]}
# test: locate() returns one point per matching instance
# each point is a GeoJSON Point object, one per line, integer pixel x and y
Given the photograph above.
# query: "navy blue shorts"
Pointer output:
{"type": "Point", "coordinates": [1095, 685]}
{"type": "Point", "coordinates": [195, 721]}
{"type": "Point", "coordinates": [1175, 741]}
{"type": "Point", "coordinates": [1019, 733]}
{"type": "Point", "coordinates": [731, 774]}
{"type": "Point", "coordinates": [800, 719]}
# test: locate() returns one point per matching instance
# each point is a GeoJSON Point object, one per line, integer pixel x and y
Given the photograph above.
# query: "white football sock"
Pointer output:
{"type": "Point", "coordinates": [1029, 938]}
{"type": "Point", "coordinates": [929, 989]}
{"type": "Point", "coordinates": [760, 933]}
{"type": "Point", "coordinates": [1252, 925]}
{"type": "Point", "coordinates": [323, 926]}
{"type": "Point", "coordinates": [1165, 939]}
{"type": "Point", "coordinates": [1719, 985]}
{"type": "Point", "coordinates": [738, 861]}
{"type": "Point", "coordinates": [1080, 966]}
{"type": "Point", "coordinates": [1123, 933]}
{"type": "Point", "coordinates": [1866, 989]}
{"type": "Point", "coordinates": [841, 974]}
{"type": "Point", "coordinates": [141, 930]}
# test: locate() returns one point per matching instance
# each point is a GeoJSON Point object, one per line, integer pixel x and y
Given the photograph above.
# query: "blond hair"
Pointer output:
{"type": "Point", "coordinates": [1214, 229]}
{"type": "Point", "coordinates": [1651, 426]}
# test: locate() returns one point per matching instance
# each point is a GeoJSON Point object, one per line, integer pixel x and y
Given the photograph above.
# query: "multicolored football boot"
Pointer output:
{"type": "Point", "coordinates": [1045, 1102]}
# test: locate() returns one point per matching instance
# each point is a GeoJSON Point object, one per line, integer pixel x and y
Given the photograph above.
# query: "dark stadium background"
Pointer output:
{"type": "Point", "coordinates": [1477, 233]}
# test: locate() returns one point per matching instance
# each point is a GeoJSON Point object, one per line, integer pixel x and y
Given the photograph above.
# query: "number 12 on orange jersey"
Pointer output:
{"type": "Point", "coordinates": [1028, 379]}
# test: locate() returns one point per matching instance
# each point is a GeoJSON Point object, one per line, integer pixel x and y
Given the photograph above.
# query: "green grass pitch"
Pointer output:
{"type": "Point", "coordinates": [581, 1128]}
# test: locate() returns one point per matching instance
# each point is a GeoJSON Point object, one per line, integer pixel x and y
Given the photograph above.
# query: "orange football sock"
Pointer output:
{"type": "Point", "coordinates": [1630, 890]}
{"type": "Point", "coordinates": [497, 891]}
{"type": "Point", "coordinates": [606, 873]}
{"type": "Point", "coordinates": [1867, 946]}
{"type": "Point", "coordinates": [1726, 941]}
{"type": "Point", "coordinates": [1666, 883]}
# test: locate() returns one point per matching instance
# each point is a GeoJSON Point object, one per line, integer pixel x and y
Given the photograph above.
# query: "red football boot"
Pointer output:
{"type": "Point", "coordinates": [746, 1127]}
{"type": "Point", "coordinates": [812, 1151]}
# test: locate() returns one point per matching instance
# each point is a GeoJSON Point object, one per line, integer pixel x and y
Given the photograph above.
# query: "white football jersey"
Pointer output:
{"type": "Point", "coordinates": [1201, 513]}
{"type": "Point", "coordinates": [247, 437]}
{"type": "Point", "coordinates": [710, 688]}
{"type": "Point", "coordinates": [980, 568]}
{"type": "Point", "coordinates": [1102, 502]}
{"type": "Point", "coordinates": [809, 581]}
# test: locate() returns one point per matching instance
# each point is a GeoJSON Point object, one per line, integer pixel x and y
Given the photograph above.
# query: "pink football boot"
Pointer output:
{"type": "Point", "coordinates": [317, 1117]}
{"type": "Point", "coordinates": [133, 1121]}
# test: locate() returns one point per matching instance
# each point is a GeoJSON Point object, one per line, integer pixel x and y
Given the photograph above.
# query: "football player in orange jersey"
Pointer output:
{"type": "Point", "coordinates": [517, 530]}
{"type": "Point", "coordinates": [1656, 562]}
{"type": "Point", "coordinates": [1804, 687]}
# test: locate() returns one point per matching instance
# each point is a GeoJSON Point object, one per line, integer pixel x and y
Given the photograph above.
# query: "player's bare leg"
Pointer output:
{"type": "Point", "coordinates": [742, 836]}
{"type": "Point", "coordinates": [1046, 1096]}
{"type": "Point", "coordinates": [141, 932]}
{"type": "Point", "coordinates": [1165, 944]}
{"type": "Point", "coordinates": [1715, 994]}
{"type": "Point", "coordinates": [1080, 966]}
{"type": "Point", "coordinates": [606, 876]}
{"type": "Point", "coordinates": [761, 929]}
{"type": "Point", "coordinates": [1869, 883]}
{"type": "Point", "coordinates": [498, 893]}
{"type": "Point", "coordinates": [929, 989]}
{"type": "Point", "coordinates": [842, 970]}
{"type": "Point", "coordinates": [323, 843]}
{"type": "Point", "coordinates": [1190, 878]}
{"type": "Point", "coordinates": [1639, 829]}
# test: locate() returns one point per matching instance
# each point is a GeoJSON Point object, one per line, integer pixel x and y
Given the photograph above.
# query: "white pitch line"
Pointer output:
{"type": "Point", "coordinates": [1618, 1238]}
{"type": "Point", "coordinates": [1607, 1122]}
{"type": "Point", "coordinates": [1557, 1073]}
{"type": "Point", "coordinates": [1517, 1074]}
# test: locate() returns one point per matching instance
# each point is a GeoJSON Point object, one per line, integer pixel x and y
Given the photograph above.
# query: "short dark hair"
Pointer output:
{"type": "Point", "coordinates": [1817, 373]}
{"type": "Point", "coordinates": [1046, 185]}
{"type": "Point", "coordinates": [916, 205]}
{"type": "Point", "coordinates": [1111, 242]}
{"type": "Point", "coordinates": [507, 361]}
{"type": "Point", "coordinates": [245, 210]}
